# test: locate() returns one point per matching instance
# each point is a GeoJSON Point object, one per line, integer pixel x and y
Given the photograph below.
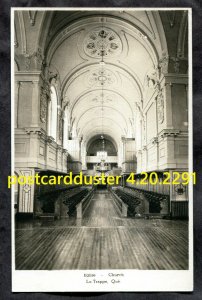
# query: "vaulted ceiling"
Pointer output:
{"type": "Point", "coordinates": [102, 59]}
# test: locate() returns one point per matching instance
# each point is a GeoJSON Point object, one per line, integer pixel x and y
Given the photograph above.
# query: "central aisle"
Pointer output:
{"type": "Point", "coordinates": [101, 211]}
{"type": "Point", "coordinates": [101, 240]}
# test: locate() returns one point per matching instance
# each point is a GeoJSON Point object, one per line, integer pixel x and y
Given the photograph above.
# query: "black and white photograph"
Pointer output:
{"type": "Point", "coordinates": [102, 177]}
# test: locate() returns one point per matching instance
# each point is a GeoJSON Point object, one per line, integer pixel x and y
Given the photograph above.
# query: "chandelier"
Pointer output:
{"type": "Point", "coordinates": [102, 155]}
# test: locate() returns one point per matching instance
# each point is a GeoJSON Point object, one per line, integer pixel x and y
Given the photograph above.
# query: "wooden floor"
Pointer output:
{"type": "Point", "coordinates": [102, 240]}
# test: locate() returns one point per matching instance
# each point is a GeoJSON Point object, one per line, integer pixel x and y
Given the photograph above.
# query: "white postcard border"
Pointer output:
{"type": "Point", "coordinates": [133, 280]}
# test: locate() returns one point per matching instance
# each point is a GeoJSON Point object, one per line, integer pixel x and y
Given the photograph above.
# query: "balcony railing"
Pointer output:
{"type": "Point", "coordinates": [96, 159]}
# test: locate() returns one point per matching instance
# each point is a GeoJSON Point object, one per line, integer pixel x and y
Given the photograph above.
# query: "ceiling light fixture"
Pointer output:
{"type": "Point", "coordinates": [102, 83]}
{"type": "Point", "coordinates": [102, 63]}
{"type": "Point", "coordinates": [102, 154]}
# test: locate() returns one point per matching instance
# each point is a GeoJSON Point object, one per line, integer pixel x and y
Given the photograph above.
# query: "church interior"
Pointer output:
{"type": "Point", "coordinates": [101, 92]}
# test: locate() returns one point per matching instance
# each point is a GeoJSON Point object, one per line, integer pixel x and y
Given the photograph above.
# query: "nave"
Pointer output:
{"type": "Point", "coordinates": [102, 239]}
{"type": "Point", "coordinates": [101, 93]}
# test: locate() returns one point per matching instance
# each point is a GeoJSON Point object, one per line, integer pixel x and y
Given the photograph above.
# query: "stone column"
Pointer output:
{"type": "Point", "coordinates": [83, 156]}
{"type": "Point", "coordinates": [59, 158]}
{"type": "Point", "coordinates": [129, 159]}
{"type": "Point", "coordinates": [17, 89]}
{"type": "Point", "coordinates": [168, 105]}
{"type": "Point", "coordinates": [64, 160]}
{"type": "Point", "coordinates": [139, 161]}
{"type": "Point", "coordinates": [51, 159]}
{"type": "Point", "coordinates": [144, 158]}
{"type": "Point", "coordinates": [26, 192]}
{"type": "Point", "coordinates": [35, 104]}
{"type": "Point", "coordinates": [74, 149]}
{"type": "Point", "coordinates": [34, 142]}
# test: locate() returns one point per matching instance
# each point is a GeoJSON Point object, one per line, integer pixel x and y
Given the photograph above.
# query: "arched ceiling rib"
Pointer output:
{"type": "Point", "coordinates": [102, 20]}
{"type": "Point", "coordinates": [97, 112]}
{"type": "Point", "coordinates": [96, 137]}
{"type": "Point", "coordinates": [99, 98]}
{"type": "Point", "coordinates": [105, 130]}
{"type": "Point", "coordinates": [89, 96]}
{"type": "Point", "coordinates": [119, 71]}
{"type": "Point", "coordinates": [107, 122]}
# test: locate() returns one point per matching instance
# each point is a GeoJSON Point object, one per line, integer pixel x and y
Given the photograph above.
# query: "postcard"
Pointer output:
{"type": "Point", "coordinates": [102, 168]}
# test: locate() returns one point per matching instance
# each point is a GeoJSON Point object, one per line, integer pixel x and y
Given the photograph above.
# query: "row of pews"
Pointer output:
{"type": "Point", "coordinates": [72, 201]}
{"type": "Point", "coordinates": [130, 200]}
{"type": "Point", "coordinates": [62, 202]}
{"type": "Point", "coordinates": [142, 202]}
{"type": "Point", "coordinates": [157, 203]}
{"type": "Point", "coordinates": [154, 199]}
